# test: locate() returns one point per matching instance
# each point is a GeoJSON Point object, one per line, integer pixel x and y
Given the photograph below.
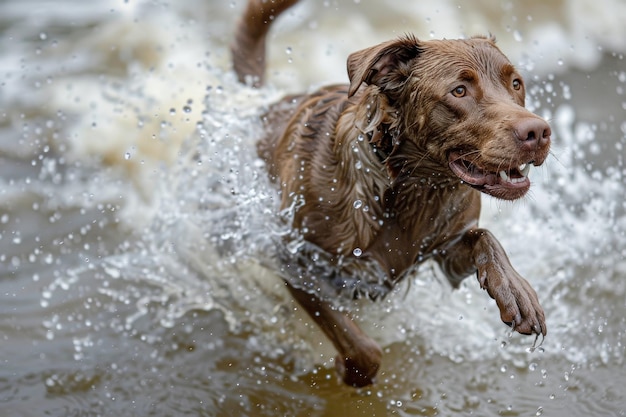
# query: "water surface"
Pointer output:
{"type": "Point", "coordinates": [136, 224]}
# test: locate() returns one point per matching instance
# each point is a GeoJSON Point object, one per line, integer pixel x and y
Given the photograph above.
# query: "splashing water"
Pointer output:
{"type": "Point", "coordinates": [138, 227]}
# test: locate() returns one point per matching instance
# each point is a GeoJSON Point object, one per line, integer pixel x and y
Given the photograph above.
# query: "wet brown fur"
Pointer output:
{"type": "Point", "coordinates": [386, 140]}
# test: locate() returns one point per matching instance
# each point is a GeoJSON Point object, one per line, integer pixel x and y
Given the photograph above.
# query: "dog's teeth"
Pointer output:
{"type": "Point", "coordinates": [524, 169]}
{"type": "Point", "coordinates": [504, 176]}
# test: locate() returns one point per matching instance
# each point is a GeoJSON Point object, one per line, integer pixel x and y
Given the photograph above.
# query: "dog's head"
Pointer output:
{"type": "Point", "coordinates": [462, 104]}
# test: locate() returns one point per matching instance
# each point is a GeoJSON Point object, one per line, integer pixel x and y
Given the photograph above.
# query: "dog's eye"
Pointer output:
{"type": "Point", "coordinates": [459, 91]}
{"type": "Point", "coordinates": [517, 84]}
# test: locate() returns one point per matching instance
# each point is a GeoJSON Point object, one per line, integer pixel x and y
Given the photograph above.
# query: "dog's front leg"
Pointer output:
{"type": "Point", "coordinates": [479, 250]}
{"type": "Point", "coordinates": [359, 356]}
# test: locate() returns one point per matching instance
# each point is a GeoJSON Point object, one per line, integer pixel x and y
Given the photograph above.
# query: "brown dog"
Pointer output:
{"type": "Point", "coordinates": [387, 171]}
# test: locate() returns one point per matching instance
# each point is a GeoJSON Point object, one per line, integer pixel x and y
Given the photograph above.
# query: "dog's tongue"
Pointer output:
{"type": "Point", "coordinates": [472, 175]}
{"type": "Point", "coordinates": [491, 179]}
{"type": "Point", "coordinates": [477, 176]}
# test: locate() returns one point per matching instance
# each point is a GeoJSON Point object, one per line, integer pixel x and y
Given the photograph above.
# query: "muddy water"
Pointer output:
{"type": "Point", "coordinates": [137, 226]}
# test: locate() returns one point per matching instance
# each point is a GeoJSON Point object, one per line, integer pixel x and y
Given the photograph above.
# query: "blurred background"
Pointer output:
{"type": "Point", "coordinates": [136, 223]}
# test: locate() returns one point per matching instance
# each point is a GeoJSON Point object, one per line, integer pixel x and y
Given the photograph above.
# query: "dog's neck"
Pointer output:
{"type": "Point", "coordinates": [407, 162]}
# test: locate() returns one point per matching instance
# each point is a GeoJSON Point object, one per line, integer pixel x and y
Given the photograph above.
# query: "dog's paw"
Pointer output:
{"type": "Point", "coordinates": [359, 369]}
{"type": "Point", "coordinates": [354, 375]}
{"type": "Point", "coordinates": [517, 300]}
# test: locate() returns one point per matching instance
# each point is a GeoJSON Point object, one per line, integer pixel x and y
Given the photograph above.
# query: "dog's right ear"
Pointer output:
{"type": "Point", "coordinates": [382, 63]}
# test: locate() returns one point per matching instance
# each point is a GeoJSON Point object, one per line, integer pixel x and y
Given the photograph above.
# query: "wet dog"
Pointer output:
{"type": "Point", "coordinates": [387, 172]}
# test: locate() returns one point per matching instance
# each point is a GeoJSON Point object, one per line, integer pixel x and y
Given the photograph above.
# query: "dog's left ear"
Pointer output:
{"type": "Point", "coordinates": [381, 64]}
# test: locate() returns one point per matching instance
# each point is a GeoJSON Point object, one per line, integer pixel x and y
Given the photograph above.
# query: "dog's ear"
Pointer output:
{"type": "Point", "coordinates": [374, 65]}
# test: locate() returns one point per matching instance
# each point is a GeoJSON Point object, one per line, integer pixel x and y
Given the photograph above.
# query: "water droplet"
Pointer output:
{"type": "Point", "coordinates": [517, 36]}
{"type": "Point", "coordinates": [288, 50]}
{"type": "Point", "coordinates": [357, 252]}
{"type": "Point", "coordinates": [172, 111]}
{"type": "Point", "coordinates": [539, 411]}
{"type": "Point", "coordinates": [187, 109]}
{"type": "Point", "coordinates": [43, 36]}
{"type": "Point", "coordinates": [357, 204]}
{"type": "Point", "coordinates": [127, 155]}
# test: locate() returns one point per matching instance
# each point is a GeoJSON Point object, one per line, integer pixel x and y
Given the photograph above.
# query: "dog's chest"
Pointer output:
{"type": "Point", "coordinates": [424, 226]}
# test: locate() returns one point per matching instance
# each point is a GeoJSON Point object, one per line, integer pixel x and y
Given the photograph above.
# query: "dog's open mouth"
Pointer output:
{"type": "Point", "coordinates": [508, 184]}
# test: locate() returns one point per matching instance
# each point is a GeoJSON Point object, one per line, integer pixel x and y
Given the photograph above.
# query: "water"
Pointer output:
{"type": "Point", "coordinates": [137, 226]}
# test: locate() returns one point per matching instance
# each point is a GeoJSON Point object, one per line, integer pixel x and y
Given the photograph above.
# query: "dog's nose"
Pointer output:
{"type": "Point", "coordinates": [534, 133]}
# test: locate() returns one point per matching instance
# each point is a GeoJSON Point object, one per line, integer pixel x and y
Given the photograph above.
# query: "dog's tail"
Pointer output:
{"type": "Point", "coordinates": [248, 48]}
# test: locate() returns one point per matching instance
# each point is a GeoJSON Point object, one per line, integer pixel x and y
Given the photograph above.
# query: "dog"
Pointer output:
{"type": "Point", "coordinates": [387, 172]}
